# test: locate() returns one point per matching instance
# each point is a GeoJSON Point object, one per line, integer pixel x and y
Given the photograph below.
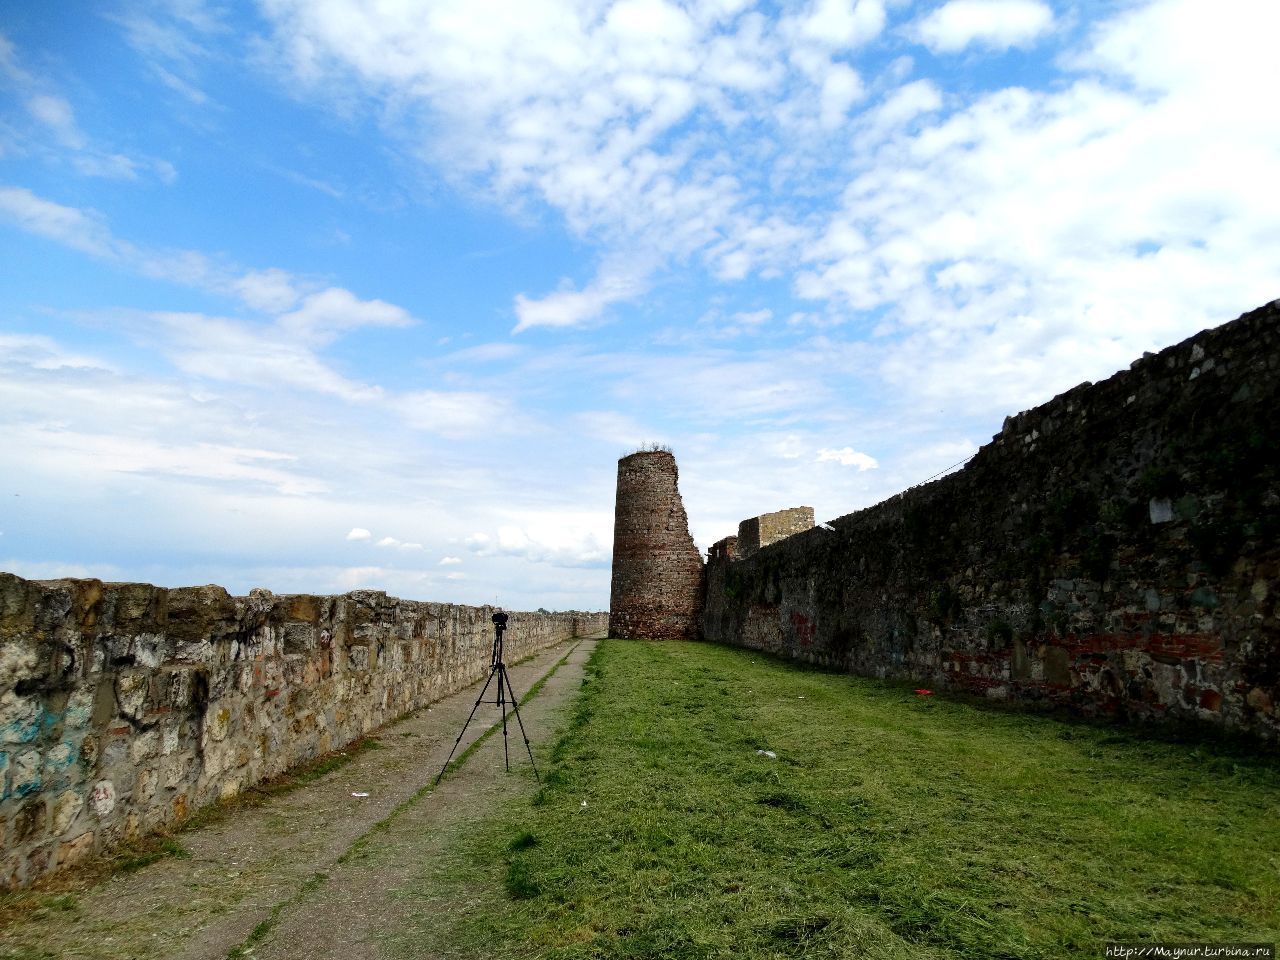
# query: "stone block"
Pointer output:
{"type": "Point", "coordinates": [25, 775]}
{"type": "Point", "coordinates": [75, 851]}
{"type": "Point", "coordinates": [20, 718]}
{"type": "Point", "coordinates": [31, 822]}
{"type": "Point", "coordinates": [65, 809]}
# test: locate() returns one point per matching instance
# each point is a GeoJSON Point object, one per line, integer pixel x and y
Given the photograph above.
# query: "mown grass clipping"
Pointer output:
{"type": "Point", "coordinates": [889, 824]}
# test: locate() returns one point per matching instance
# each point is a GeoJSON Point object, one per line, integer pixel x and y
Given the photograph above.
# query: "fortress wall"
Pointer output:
{"type": "Point", "coordinates": [656, 588]}
{"type": "Point", "coordinates": [1116, 550]}
{"type": "Point", "coordinates": [125, 707]}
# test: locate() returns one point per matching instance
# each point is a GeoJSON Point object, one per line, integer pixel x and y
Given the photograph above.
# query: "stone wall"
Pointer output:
{"type": "Point", "coordinates": [125, 707]}
{"type": "Point", "coordinates": [769, 528]}
{"type": "Point", "coordinates": [1116, 550]}
{"type": "Point", "coordinates": [656, 590]}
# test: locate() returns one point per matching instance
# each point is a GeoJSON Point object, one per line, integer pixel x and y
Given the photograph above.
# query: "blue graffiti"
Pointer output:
{"type": "Point", "coordinates": [22, 730]}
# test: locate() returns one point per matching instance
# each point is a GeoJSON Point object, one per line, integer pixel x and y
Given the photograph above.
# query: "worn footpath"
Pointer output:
{"type": "Point", "coordinates": [320, 871]}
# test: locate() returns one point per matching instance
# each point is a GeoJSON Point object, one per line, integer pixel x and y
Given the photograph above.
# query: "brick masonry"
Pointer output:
{"type": "Point", "coordinates": [1116, 551]}
{"type": "Point", "coordinates": [656, 591]}
{"type": "Point", "coordinates": [125, 707]}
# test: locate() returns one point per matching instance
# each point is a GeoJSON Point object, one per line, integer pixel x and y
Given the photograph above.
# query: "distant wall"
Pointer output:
{"type": "Point", "coordinates": [124, 707]}
{"type": "Point", "coordinates": [1116, 550]}
{"type": "Point", "coordinates": [656, 588]}
{"type": "Point", "coordinates": [769, 528]}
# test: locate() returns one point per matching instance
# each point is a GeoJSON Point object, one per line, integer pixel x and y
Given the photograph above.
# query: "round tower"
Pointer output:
{"type": "Point", "coordinates": [657, 570]}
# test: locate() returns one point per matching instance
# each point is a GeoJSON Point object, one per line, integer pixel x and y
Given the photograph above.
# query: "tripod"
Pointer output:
{"type": "Point", "coordinates": [497, 669]}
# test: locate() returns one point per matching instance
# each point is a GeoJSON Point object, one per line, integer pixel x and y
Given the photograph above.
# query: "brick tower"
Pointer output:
{"type": "Point", "coordinates": [657, 570]}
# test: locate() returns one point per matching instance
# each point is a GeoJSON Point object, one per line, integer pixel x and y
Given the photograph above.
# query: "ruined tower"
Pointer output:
{"type": "Point", "coordinates": [657, 570]}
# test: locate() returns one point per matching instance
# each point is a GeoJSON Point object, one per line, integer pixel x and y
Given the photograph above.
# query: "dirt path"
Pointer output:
{"type": "Point", "coordinates": [314, 873]}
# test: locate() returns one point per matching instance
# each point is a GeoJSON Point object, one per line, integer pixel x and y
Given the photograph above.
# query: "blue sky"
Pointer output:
{"type": "Point", "coordinates": [320, 294]}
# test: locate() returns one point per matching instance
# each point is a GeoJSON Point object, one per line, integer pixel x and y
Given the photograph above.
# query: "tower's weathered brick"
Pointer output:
{"type": "Point", "coordinates": [657, 569]}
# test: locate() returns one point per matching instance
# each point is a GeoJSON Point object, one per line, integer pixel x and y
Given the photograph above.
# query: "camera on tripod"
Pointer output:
{"type": "Point", "coordinates": [506, 697]}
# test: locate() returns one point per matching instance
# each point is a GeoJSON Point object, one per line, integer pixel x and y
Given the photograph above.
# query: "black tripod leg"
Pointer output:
{"type": "Point", "coordinates": [515, 704]}
{"type": "Point", "coordinates": [503, 689]}
{"type": "Point", "coordinates": [479, 700]}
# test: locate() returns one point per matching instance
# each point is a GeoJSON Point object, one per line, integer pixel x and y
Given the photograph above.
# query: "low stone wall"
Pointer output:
{"type": "Point", "coordinates": [125, 707]}
{"type": "Point", "coordinates": [1116, 550]}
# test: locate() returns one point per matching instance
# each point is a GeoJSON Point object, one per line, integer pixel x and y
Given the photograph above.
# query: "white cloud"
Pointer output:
{"type": "Point", "coordinates": [905, 104]}
{"type": "Point", "coordinates": [449, 561]}
{"type": "Point", "coordinates": [171, 38]}
{"type": "Point", "coordinates": [1210, 51]}
{"type": "Point", "coordinates": [841, 88]}
{"type": "Point", "coordinates": [997, 24]}
{"type": "Point", "coordinates": [621, 118]}
{"type": "Point", "coordinates": [848, 457]}
{"type": "Point", "coordinates": [1049, 237]}
{"type": "Point", "coordinates": [620, 429]}
{"type": "Point", "coordinates": [54, 444]}
{"type": "Point", "coordinates": [56, 113]}
{"type": "Point", "coordinates": [272, 290]}
{"type": "Point", "coordinates": [568, 307]}
{"type": "Point", "coordinates": [223, 349]}
{"type": "Point", "coordinates": [461, 413]}
{"type": "Point", "coordinates": [75, 228]}
{"type": "Point", "coordinates": [325, 315]}
{"type": "Point", "coordinates": [562, 538]}
{"type": "Point", "coordinates": [753, 318]}
{"type": "Point", "coordinates": [55, 133]}
{"type": "Point", "coordinates": [60, 569]}
{"type": "Point", "coordinates": [88, 232]}
{"type": "Point", "coordinates": [43, 353]}
{"type": "Point", "coordinates": [9, 61]}
{"type": "Point", "coordinates": [711, 386]}
{"type": "Point", "coordinates": [398, 544]}
{"type": "Point", "coordinates": [843, 23]}
{"type": "Point", "coordinates": [220, 348]}
{"type": "Point", "coordinates": [261, 468]}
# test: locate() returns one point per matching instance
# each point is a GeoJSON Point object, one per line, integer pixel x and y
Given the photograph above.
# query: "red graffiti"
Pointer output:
{"type": "Point", "coordinates": [803, 628]}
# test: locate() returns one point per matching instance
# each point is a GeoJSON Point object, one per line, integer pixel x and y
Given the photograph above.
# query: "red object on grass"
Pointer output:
{"type": "Point", "coordinates": [925, 693]}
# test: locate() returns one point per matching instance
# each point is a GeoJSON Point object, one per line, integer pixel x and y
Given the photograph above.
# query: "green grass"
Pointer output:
{"type": "Point", "coordinates": [148, 850]}
{"type": "Point", "coordinates": [889, 825]}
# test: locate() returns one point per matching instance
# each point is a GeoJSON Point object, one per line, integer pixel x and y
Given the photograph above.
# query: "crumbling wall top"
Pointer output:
{"type": "Point", "coordinates": [758, 532]}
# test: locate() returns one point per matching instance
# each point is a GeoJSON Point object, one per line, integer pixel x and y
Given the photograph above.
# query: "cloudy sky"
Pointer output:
{"type": "Point", "coordinates": [324, 294]}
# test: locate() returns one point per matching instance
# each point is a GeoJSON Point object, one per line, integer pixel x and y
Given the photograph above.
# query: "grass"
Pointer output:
{"type": "Point", "coordinates": [889, 825]}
